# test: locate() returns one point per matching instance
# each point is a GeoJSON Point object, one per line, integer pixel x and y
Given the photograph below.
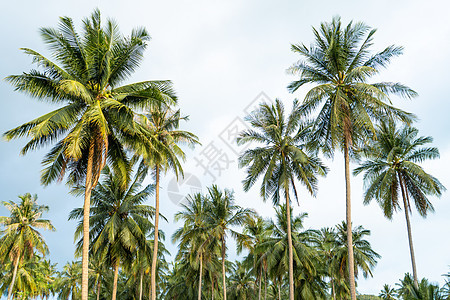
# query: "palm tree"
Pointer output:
{"type": "Point", "coordinates": [392, 166]}
{"type": "Point", "coordinates": [255, 232]}
{"type": "Point", "coordinates": [222, 215]}
{"type": "Point", "coordinates": [242, 283]}
{"type": "Point", "coordinates": [339, 63]}
{"type": "Point", "coordinates": [69, 281]}
{"type": "Point", "coordinates": [96, 117]}
{"type": "Point", "coordinates": [387, 293]}
{"type": "Point", "coordinates": [118, 219]}
{"type": "Point", "coordinates": [280, 161]}
{"type": "Point", "coordinates": [324, 240]}
{"type": "Point", "coordinates": [308, 281]}
{"type": "Point", "coordinates": [162, 124]}
{"type": "Point", "coordinates": [365, 257]}
{"type": "Point", "coordinates": [424, 291]}
{"type": "Point", "coordinates": [20, 238]}
{"type": "Point", "coordinates": [194, 236]}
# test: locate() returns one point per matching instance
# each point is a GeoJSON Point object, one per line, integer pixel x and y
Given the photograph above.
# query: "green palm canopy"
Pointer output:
{"type": "Point", "coordinates": [95, 118]}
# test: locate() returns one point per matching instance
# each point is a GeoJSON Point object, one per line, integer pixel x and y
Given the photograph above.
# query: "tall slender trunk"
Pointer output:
{"type": "Point", "coordinates": [408, 226]}
{"type": "Point", "coordinates": [150, 291]}
{"type": "Point", "coordinates": [291, 255]}
{"type": "Point", "coordinates": [155, 244]}
{"type": "Point", "coordinates": [351, 263]}
{"type": "Point", "coordinates": [333, 292]}
{"type": "Point", "coordinates": [260, 281]}
{"type": "Point", "coordinates": [265, 285]}
{"type": "Point", "coordinates": [98, 288]}
{"type": "Point", "coordinates": [212, 289]}
{"type": "Point", "coordinates": [116, 277]}
{"type": "Point", "coordinates": [200, 278]}
{"type": "Point", "coordinates": [86, 212]}
{"type": "Point", "coordinates": [279, 292]}
{"type": "Point", "coordinates": [11, 286]}
{"type": "Point", "coordinates": [223, 269]}
{"type": "Point", "coordinates": [140, 285]}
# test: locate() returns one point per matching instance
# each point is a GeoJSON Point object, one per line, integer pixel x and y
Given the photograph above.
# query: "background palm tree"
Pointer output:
{"type": "Point", "coordinates": [118, 221]}
{"type": "Point", "coordinates": [69, 281]}
{"type": "Point", "coordinates": [392, 166]}
{"type": "Point", "coordinates": [20, 238]}
{"type": "Point", "coordinates": [324, 240]}
{"type": "Point", "coordinates": [387, 293]}
{"type": "Point", "coordinates": [339, 64]}
{"type": "Point", "coordinates": [222, 215]}
{"type": "Point", "coordinates": [365, 257]}
{"type": "Point", "coordinates": [255, 233]}
{"type": "Point", "coordinates": [96, 119]}
{"type": "Point", "coordinates": [194, 236]}
{"type": "Point", "coordinates": [162, 124]}
{"type": "Point", "coordinates": [241, 283]}
{"type": "Point", "coordinates": [280, 161]}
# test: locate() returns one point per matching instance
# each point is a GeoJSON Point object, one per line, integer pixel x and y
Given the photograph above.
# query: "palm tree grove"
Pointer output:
{"type": "Point", "coordinates": [332, 190]}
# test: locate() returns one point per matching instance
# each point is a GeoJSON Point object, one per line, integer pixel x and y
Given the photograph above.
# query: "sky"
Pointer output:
{"type": "Point", "coordinates": [224, 57]}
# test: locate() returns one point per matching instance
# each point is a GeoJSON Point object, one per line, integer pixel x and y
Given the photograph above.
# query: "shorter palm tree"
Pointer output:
{"type": "Point", "coordinates": [222, 215]}
{"type": "Point", "coordinates": [69, 281]}
{"type": "Point", "coordinates": [387, 293]}
{"type": "Point", "coordinates": [119, 221]}
{"type": "Point", "coordinates": [365, 257]}
{"type": "Point", "coordinates": [20, 237]}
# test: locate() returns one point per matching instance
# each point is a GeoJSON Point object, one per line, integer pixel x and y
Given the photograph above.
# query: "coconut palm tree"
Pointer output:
{"type": "Point", "coordinates": [20, 237]}
{"type": "Point", "coordinates": [281, 160]}
{"type": "Point", "coordinates": [222, 215]}
{"type": "Point", "coordinates": [165, 137]}
{"type": "Point", "coordinates": [118, 219]}
{"type": "Point", "coordinates": [96, 117]}
{"type": "Point", "coordinates": [307, 277]}
{"type": "Point", "coordinates": [365, 257]}
{"type": "Point", "coordinates": [392, 166]}
{"type": "Point", "coordinates": [324, 240]}
{"type": "Point", "coordinates": [255, 232]}
{"type": "Point", "coordinates": [387, 293]}
{"type": "Point", "coordinates": [69, 281]}
{"type": "Point", "coordinates": [339, 65]}
{"type": "Point", "coordinates": [194, 236]}
{"type": "Point", "coordinates": [242, 283]}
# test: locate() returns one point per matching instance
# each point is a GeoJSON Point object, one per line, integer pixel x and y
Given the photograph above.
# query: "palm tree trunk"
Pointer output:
{"type": "Point", "coordinates": [265, 285]}
{"type": "Point", "coordinates": [140, 285]}
{"type": "Point", "coordinates": [223, 269]}
{"type": "Point", "coordinates": [351, 263]}
{"type": "Point", "coordinates": [86, 212]}
{"type": "Point", "coordinates": [333, 292]}
{"type": "Point", "coordinates": [408, 226]}
{"type": "Point", "coordinates": [150, 291]}
{"type": "Point", "coordinates": [212, 289]}
{"type": "Point", "coordinates": [291, 255]}
{"type": "Point", "coordinates": [155, 244]}
{"type": "Point", "coordinates": [116, 277]}
{"type": "Point", "coordinates": [11, 286]}
{"type": "Point", "coordinates": [200, 278]}
{"type": "Point", "coordinates": [260, 281]}
{"type": "Point", "coordinates": [279, 292]}
{"type": "Point", "coordinates": [98, 288]}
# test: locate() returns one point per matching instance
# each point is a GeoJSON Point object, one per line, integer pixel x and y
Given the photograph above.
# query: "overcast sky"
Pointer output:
{"type": "Point", "coordinates": [221, 55]}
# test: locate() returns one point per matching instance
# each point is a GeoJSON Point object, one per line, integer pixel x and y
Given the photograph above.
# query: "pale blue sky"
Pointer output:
{"type": "Point", "coordinates": [220, 56]}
